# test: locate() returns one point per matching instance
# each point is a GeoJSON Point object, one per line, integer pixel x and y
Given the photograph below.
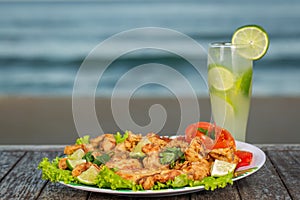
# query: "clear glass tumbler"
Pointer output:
{"type": "Point", "coordinates": [230, 87]}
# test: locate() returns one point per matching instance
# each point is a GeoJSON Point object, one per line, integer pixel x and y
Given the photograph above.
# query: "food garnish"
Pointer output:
{"type": "Point", "coordinates": [256, 39]}
{"type": "Point", "coordinates": [206, 156]}
{"type": "Point", "coordinates": [245, 158]}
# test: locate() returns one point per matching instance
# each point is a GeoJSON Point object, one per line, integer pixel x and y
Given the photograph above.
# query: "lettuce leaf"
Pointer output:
{"type": "Point", "coordinates": [83, 140]}
{"type": "Point", "coordinates": [51, 172]}
{"type": "Point", "coordinates": [107, 178]}
{"type": "Point", "coordinates": [119, 138]}
{"type": "Point", "coordinates": [212, 183]}
{"type": "Point", "coordinates": [209, 183]}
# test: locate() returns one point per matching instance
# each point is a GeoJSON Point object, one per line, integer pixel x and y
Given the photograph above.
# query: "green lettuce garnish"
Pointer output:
{"type": "Point", "coordinates": [212, 183]}
{"type": "Point", "coordinates": [209, 183]}
{"type": "Point", "coordinates": [121, 138]}
{"type": "Point", "coordinates": [107, 178]}
{"type": "Point", "coordinates": [83, 140]}
{"type": "Point", "coordinates": [51, 172]}
{"type": "Point", "coordinates": [178, 182]}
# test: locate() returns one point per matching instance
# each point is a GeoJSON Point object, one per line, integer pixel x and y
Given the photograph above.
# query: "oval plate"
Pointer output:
{"type": "Point", "coordinates": [258, 161]}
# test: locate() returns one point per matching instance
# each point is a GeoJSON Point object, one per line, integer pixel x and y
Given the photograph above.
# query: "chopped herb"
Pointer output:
{"type": "Point", "coordinates": [88, 157]}
{"type": "Point", "coordinates": [101, 159]}
{"type": "Point", "coordinates": [202, 130]}
{"type": "Point", "coordinates": [83, 140]}
{"type": "Point", "coordinates": [119, 138]}
{"type": "Point", "coordinates": [170, 156]}
{"type": "Point", "coordinates": [210, 134]}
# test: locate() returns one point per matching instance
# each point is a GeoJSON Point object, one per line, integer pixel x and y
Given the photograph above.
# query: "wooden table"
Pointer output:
{"type": "Point", "coordinates": [279, 178]}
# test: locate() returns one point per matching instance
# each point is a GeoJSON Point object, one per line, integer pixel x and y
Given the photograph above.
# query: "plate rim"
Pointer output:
{"type": "Point", "coordinates": [258, 155]}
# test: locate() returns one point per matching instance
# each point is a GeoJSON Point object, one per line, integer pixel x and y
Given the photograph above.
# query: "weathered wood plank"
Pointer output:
{"type": "Point", "coordinates": [279, 147]}
{"type": "Point", "coordinates": [102, 196]}
{"type": "Point", "coordinates": [95, 196]}
{"type": "Point", "coordinates": [278, 179]}
{"type": "Point", "coordinates": [7, 161]}
{"type": "Point", "coordinates": [24, 180]}
{"type": "Point", "coordinates": [264, 184]}
{"type": "Point", "coordinates": [56, 191]}
{"type": "Point", "coordinates": [287, 164]}
{"type": "Point", "coordinates": [229, 192]}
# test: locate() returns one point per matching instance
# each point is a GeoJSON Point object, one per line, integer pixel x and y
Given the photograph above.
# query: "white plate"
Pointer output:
{"type": "Point", "coordinates": [258, 161]}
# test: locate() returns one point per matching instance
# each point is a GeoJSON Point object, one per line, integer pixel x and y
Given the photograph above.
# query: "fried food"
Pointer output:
{"type": "Point", "coordinates": [146, 160]}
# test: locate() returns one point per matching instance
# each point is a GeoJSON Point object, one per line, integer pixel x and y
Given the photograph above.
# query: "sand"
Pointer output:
{"type": "Point", "coordinates": [49, 120]}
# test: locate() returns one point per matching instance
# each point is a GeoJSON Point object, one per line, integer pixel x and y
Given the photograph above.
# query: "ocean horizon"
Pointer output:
{"type": "Point", "coordinates": [43, 44]}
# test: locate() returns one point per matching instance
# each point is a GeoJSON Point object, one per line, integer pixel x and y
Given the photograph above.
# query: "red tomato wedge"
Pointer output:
{"type": "Point", "coordinates": [245, 158]}
{"type": "Point", "coordinates": [223, 139]}
{"type": "Point", "coordinates": [212, 136]}
{"type": "Point", "coordinates": [200, 129]}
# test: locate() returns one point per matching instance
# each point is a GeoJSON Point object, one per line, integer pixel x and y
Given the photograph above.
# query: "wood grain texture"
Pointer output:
{"type": "Point", "coordinates": [228, 193]}
{"type": "Point", "coordinates": [57, 191]}
{"type": "Point", "coordinates": [278, 147]}
{"type": "Point", "coordinates": [7, 161]}
{"type": "Point", "coordinates": [287, 164]}
{"type": "Point", "coordinates": [95, 196]}
{"type": "Point", "coordinates": [264, 184]}
{"type": "Point", "coordinates": [277, 179]}
{"type": "Point", "coordinates": [24, 180]}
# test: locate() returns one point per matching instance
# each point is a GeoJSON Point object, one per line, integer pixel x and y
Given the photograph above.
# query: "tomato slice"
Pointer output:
{"type": "Point", "coordinates": [223, 139]}
{"type": "Point", "coordinates": [200, 129]}
{"type": "Point", "coordinates": [190, 132]}
{"type": "Point", "coordinates": [212, 136]}
{"type": "Point", "coordinates": [245, 158]}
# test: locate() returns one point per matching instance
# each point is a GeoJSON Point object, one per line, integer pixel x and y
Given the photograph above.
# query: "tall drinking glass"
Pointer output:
{"type": "Point", "coordinates": [230, 87]}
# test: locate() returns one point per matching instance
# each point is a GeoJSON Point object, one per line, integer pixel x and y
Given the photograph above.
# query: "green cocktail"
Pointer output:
{"type": "Point", "coordinates": [230, 77]}
{"type": "Point", "coordinates": [230, 87]}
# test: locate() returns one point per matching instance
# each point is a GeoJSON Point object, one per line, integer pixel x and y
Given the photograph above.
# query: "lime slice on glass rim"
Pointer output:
{"type": "Point", "coordinates": [222, 168]}
{"type": "Point", "coordinates": [89, 176]}
{"type": "Point", "coordinates": [221, 78]}
{"type": "Point", "coordinates": [256, 39]}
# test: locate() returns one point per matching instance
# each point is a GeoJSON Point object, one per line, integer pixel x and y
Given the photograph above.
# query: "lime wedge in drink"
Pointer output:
{"type": "Point", "coordinates": [73, 163]}
{"type": "Point", "coordinates": [223, 110]}
{"type": "Point", "coordinates": [243, 83]}
{"type": "Point", "coordinates": [78, 154]}
{"type": "Point", "coordinates": [89, 176]}
{"type": "Point", "coordinates": [220, 78]}
{"type": "Point", "coordinates": [246, 81]}
{"type": "Point", "coordinates": [254, 36]}
{"type": "Point", "coordinates": [222, 168]}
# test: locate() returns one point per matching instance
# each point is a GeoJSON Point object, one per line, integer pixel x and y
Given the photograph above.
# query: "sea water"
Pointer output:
{"type": "Point", "coordinates": [43, 43]}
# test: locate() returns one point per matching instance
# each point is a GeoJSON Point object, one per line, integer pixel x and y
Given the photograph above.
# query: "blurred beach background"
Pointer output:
{"type": "Point", "coordinates": [43, 43]}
